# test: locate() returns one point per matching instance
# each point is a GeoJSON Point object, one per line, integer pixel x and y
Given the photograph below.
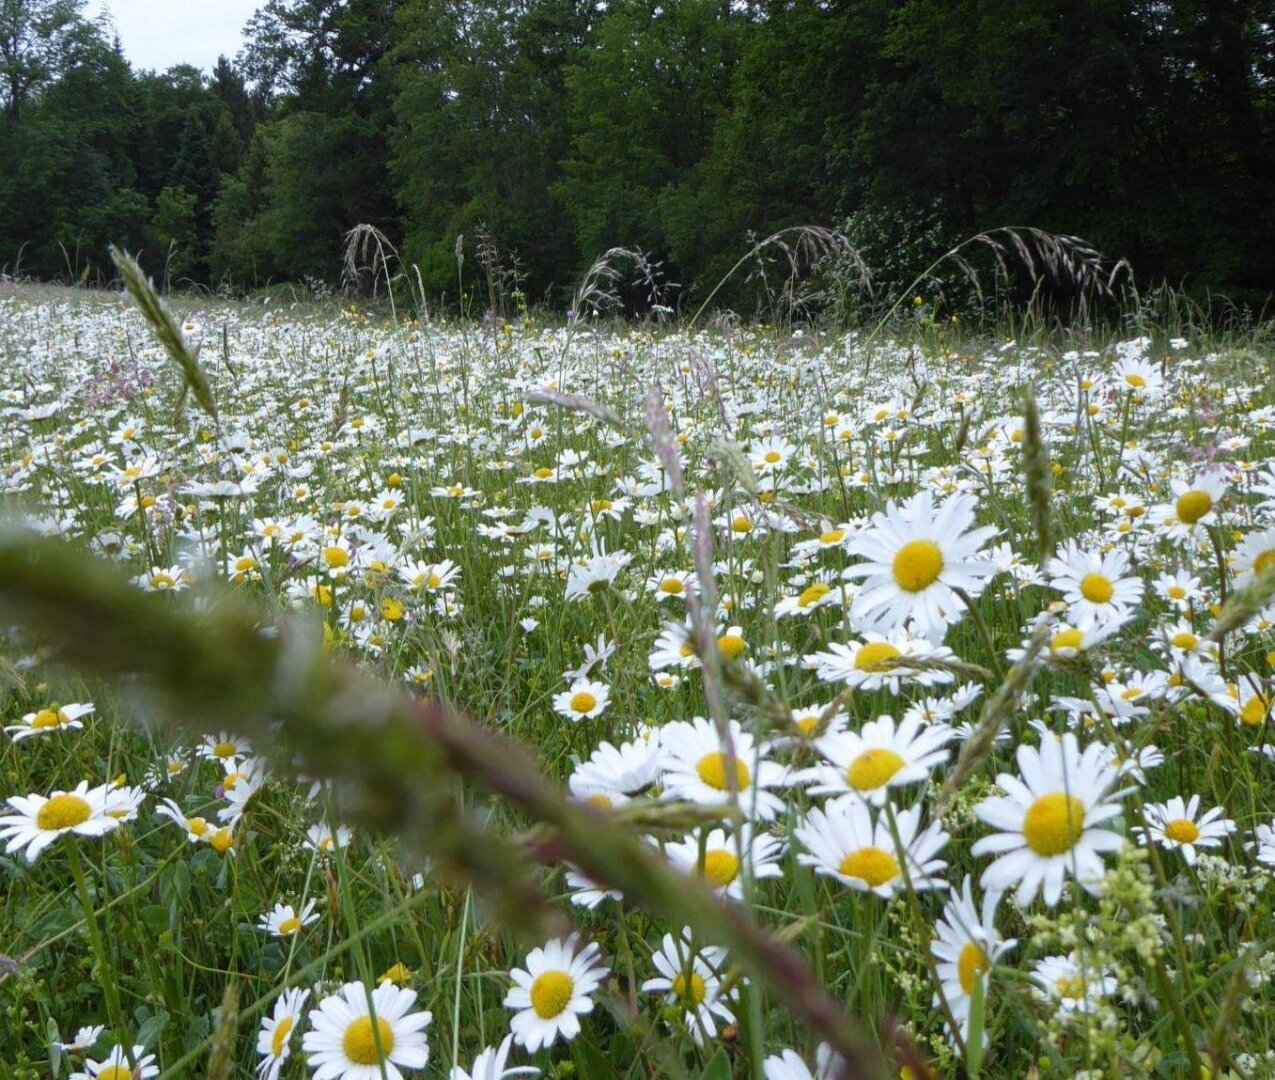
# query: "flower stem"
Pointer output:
{"type": "Point", "coordinates": [110, 987]}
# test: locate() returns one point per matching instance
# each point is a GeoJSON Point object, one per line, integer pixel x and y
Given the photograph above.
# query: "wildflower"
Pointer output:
{"type": "Point", "coordinates": [274, 1040]}
{"type": "Point", "coordinates": [966, 945]}
{"type": "Point", "coordinates": [1049, 820]}
{"type": "Point", "coordinates": [789, 1066]}
{"type": "Point", "coordinates": [1095, 586]}
{"type": "Point", "coordinates": [358, 1034]}
{"type": "Point", "coordinates": [879, 662]}
{"type": "Point", "coordinates": [51, 719]}
{"type": "Point", "coordinates": [116, 1066]}
{"type": "Point", "coordinates": [695, 762]}
{"type": "Point", "coordinates": [584, 700]}
{"type": "Point", "coordinates": [1068, 984]}
{"type": "Point", "coordinates": [916, 557]}
{"type": "Point", "coordinates": [40, 820]}
{"type": "Point", "coordinates": [553, 992]}
{"type": "Point", "coordinates": [283, 920]}
{"type": "Point", "coordinates": [490, 1065]}
{"type": "Point", "coordinates": [690, 979]}
{"type": "Point", "coordinates": [842, 842]}
{"type": "Point", "coordinates": [1179, 824]}
{"type": "Point", "coordinates": [878, 757]}
{"type": "Point", "coordinates": [716, 858]}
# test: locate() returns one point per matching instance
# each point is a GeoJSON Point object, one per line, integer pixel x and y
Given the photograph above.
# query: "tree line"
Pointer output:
{"type": "Point", "coordinates": [555, 129]}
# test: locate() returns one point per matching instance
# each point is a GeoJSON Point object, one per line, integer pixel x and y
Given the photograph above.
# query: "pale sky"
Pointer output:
{"type": "Point", "coordinates": [160, 33]}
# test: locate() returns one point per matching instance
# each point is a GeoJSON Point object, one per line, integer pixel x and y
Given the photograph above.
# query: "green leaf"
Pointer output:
{"type": "Point", "coordinates": [718, 1068]}
{"type": "Point", "coordinates": [975, 1044]}
{"type": "Point", "coordinates": [589, 1060]}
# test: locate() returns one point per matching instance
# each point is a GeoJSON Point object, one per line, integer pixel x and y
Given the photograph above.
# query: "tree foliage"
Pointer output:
{"type": "Point", "coordinates": [556, 129]}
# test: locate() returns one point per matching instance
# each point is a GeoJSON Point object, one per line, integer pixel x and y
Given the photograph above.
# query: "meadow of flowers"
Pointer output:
{"type": "Point", "coordinates": [950, 660]}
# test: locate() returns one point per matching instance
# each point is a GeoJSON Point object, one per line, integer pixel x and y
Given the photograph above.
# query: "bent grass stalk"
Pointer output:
{"type": "Point", "coordinates": [395, 762]}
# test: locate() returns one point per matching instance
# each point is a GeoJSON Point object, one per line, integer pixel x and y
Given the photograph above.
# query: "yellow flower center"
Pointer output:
{"type": "Point", "coordinates": [917, 565]}
{"type": "Point", "coordinates": [336, 557]}
{"type": "Point", "coordinates": [832, 536]}
{"type": "Point", "coordinates": [1176, 592]}
{"type": "Point", "coordinates": [63, 812]}
{"type": "Point", "coordinates": [1265, 561]}
{"type": "Point", "coordinates": [222, 840]}
{"type": "Point", "coordinates": [551, 993]}
{"type": "Point", "coordinates": [583, 702]}
{"type": "Point", "coordinates": [245, 563]}
{"type": "Point", "coordinates": [1066, 639]}
{"type": "Point", "coordinates": [224, 750]}
{"type": "Point", "coordinates": [773, 456]}
{"type": "Point", "coordinates": [1136, 381]}
{"type": "Point", "coordinates": [673, 586]}
{"type": "Point", "coordinates": [47, 718]}
{"type": "Point", "coordinates": [1193, 505]}
{"type": "Point", "coordinates": [1254, 710]}
{"type": "Point", "coordinates": [732, 646]}
{"type": "Point", "coordinates": [280, 1037]}
{"type": "Point", "coordinates": [873, 769]}
{"type": "Point", "coordinates": [162, 581]}
{"type": "Point", "coordinates": [599, 801]}
{"type": "Point", "coordinates": [876, 656]}
{"type": "Point", "coordinates": [970, 965]}
{"type": "Point", "coordinates": [1182, 830]}
{"type": "Point", "coordinates": [1054, 823]}
{"type": "Point", "coordinates": [720, 867]}
{"type": "Point", "coordinates": [197, 826]}
{"type": "Point", "coordinates": [1096, 588]}
{"type": "Point", "coordinates": [290, 925]}
{"type": "Point", "coordinates": [741, 524]}
{"type": "Point", "coordinates": [1071, 987]}
{"type": "Point", "coordinates": [871, 864]}
{"type": "Point", "coordinates": [114, 1072]}
{"type": "Point", "coordinates": [1184, 639]}
{"type": "Point", "coordinates": [360, 1040]}
{"type": "Point", "coordinates": [695, 994]}
{"type": "Point", "coordinates": [712, 770]}
{"type": "Point", "coordinates": [813, 593]}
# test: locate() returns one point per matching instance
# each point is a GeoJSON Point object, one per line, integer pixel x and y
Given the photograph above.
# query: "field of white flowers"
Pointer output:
{"type": "Point", "coordinates": [946, 661]}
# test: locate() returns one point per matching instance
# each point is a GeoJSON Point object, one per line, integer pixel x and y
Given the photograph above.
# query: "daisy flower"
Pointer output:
{"type": "Point", "coordinates": [116, 1066]}
{"type": "Point", "coordinates": [1139, 376]}
{"type": "Point", "coordinates": [224, 747]}
{"type": "Point", "coordinates": [40, 820]}
{"type": "Point", "coordinates": [1263, 845]}
{"type": "Point", "coordinates": [284, 920]}
{"type": "Point", "coordinates": [673, 585]}
{"type": "Point", "coordinates": [842, 842]}
{"type": "Point", "coordinates": [623, 771]}
{"type": "Point", "coordinates": [1193, 504]}
{"type": "Point", "coordinates": [789, 1066]}
{"type": "Point", "coordinates": [879, 662]}
{"type": "Point", "coordinates": [274, 1040]}
{"type": "Point", "coordinates": [322, 839]}
{"type": "Point", "coordinates": [814, 596]}
{"type": "Point", "coordinates": [691, 979]}
{"type": "Point", "coordinates": [716, 859]}
{"type": "Point", "coordinates": [1066, 984]}
{"type": "Point", "coordinates": [966, 946]}
{"type": "Point", "coordinates": [552, 992]}
{"type": "Point", "coordinates": [1255, 554]}
{"type": "Point", "coordinates": [1049, 820]}
{"type": "Point", "coordinates": [83, 1039]}
{"type": "Point", "coordinates": [877, 757]}
{"type": "Point", "coordinates": [695, 762]}
{"type": "Point", "coordinates": [46, 721]}
{"type": "Point", "coordinates": [584, 700]}
{"type": "Point", "coordinates": [490, 1065]}
{"type": "Point", "coordinates": [1179, 824]}
{"type": "Point", "coordinates": [915, 557]}
{"type": "Point", "coordinates": [1180, 589]}
{"type": "Point", "coordinates": [362, 1034]}
{"type": "Point", "coordinates": [1095, 586]}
